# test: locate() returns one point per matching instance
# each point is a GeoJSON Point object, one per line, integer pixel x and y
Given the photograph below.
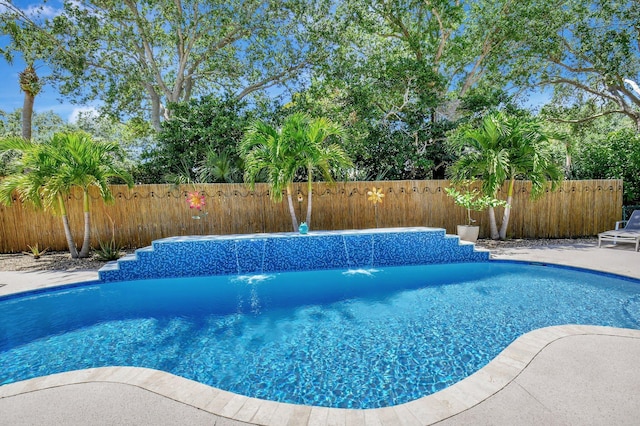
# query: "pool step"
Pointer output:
{"type": "Point", "coordinates": [268, 253]}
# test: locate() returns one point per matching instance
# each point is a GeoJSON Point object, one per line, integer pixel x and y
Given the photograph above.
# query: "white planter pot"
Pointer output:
{"type": "Point", "coordinates": [468, 232]}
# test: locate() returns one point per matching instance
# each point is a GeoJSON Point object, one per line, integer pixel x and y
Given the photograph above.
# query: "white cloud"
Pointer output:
{"type": "Point", "coordinates": [82, 111]}
{"type": "Point", "coordinates": [41, 11]}
{"type": "Point", "coordinates": [33, 12]}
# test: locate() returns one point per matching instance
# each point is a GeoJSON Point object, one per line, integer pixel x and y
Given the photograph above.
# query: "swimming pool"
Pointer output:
{"type": "Point", "coordinates": [359, 338]}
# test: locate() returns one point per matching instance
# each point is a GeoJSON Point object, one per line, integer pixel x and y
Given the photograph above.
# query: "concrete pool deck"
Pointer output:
{"type": "Point", "coordinates": [556, 375]}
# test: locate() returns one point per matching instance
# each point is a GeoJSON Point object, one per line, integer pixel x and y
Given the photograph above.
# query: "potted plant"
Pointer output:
{"type": "Point", "coordinates": [472, 200]}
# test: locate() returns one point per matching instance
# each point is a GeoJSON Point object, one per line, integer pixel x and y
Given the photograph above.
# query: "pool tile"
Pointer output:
{"type": "Point", "coordinates": [520, 352]}
{"type": "Point", "coordinates": [354, 417]}
{"type": "Point", "coordinates": [51, 381]}
{"type": "Point", "coordinates": [266, 410]}
{"type": "Point", "coordinates": [498, 375]}
{"type": "Point", "coordinates": [405, 416]}
{"type": "Point", "coordinates": [219, 401]}
{"type": "Point", "coordinates": [516, 364]}
{"type": "Point", "coordinates": [337, 416]}
{"type": "Point", "coordinates": [152, 378]}
{"type": "Point", "coordinates": [455, 399]}
{"type": "Point", "coordinates": [358, 250]}
{"type": "Point", "coordinates": [482, 384]}
{"type": "Point", "coordinates": [246, 254]}
{"type": "Point", "coordinates": [248, 409]}
{"type": "Point", "coordinates": [371, 418]}
{"type": "Point", "coordinates": [428, 409]}
{"type": "Point", "coordinates": [283, 414]}
{"type": "Point", "coordinates": [233, 406]}
{"type": "Point", "coordinates": [17, 388]}
{"type": "Point", "coordinates": [93, 374]}
{"type": "Point", "coordinates": [123, 374]}
{"type": "Point", "coordinates": [200, 396]}
{"type": "Point", "coordinates": [318, 416]}
{"type": "Point", "coordinates": [535, 341]}
{"type": "Point", "coordinates": [144, 375]}
{"type": "Point", "coordinates": [169, 385]}
{"type": "Point", "coordinates": [388, 416]}
{"type": "Point", "coordinates": [300, 415]}
{"type": "Point", "coordinates": [250, 255]}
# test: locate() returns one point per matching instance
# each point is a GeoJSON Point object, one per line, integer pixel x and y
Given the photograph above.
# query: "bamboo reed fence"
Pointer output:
{"type": "Point", "coordinates": [149, 212]}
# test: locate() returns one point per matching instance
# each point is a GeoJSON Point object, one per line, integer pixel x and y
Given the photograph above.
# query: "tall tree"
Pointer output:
{"type": "Point", "coordinates": [582, 49]}
{"type": "Point", "coordinates": [30, 85]}
{"type": "Point", "coordinates": [500, 151]}
{"type": "Point", "coordinates": [132, 54]}
{"type": "Point", "coordinates": [32, 46]}
{"type": "Point", "coordinates": [400, 73]}
{"type": "Point", "coordinates": [611, 155]}
{"type": "Point", "coordinates": [200, 135]}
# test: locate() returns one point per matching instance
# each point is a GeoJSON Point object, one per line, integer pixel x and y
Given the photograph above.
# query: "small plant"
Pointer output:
{"type": "Point", "coordinates": [111, 250]}
{"type": "Point", "coordinates": [35, 251]}
{"type": "Point", "coordinates": [108, 251]}
{"type": "Point", "coordinates": [472, 199]}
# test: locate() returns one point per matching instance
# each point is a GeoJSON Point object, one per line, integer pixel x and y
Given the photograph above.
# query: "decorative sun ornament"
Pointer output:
{"type": "Point", "coordinates": [375, 195]}
{"type": "Point", "coordinates": [195, 200]}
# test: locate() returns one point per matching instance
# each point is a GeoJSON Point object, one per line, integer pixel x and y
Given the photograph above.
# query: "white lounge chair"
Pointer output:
{"type": "Point", "coordinates": [630, 233]}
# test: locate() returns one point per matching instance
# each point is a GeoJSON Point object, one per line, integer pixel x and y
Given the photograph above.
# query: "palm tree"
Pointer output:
{"type": "Point", "coordinates": [264, 152]}
{"type": "Point", "coordinates": [31, 86]}
{"type": "Point", "coordinates": [502, 150]}
{"type": "Point", "coordinates": [29, 176]}
{"type": "Point", "coordinates": [46, 173]}
{"type": "Point", "coordinates": [308, 142]}
{"type": "Point", "coordinates": [279, 155]}
{"type": "Point", "coordinates": [87, 164]}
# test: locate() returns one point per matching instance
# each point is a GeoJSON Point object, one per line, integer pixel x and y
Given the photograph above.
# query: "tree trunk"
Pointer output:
{"type": "Point", "coordinates": [67, 230]}
{"type": "Point", "coordinates": [155, 108]}
{"type": "Point", "coordinates": [86, 241]}
{"type": "Point", "coordinates": [30, 85]}
{"type": "Point", "coordinates": [507, 211]}
{"type": "Point", "coordinates": [492, 223]}
{"type": "Point", "coordinates": [309, 198]}
{"type": "Point", "coordinates": [27, 114]}
{"type": "Point", "coordinates": [292, 211]}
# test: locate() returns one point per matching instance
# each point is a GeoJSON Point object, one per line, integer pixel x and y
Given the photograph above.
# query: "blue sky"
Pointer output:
{"type": "Point", "coordinates": [11, 97]}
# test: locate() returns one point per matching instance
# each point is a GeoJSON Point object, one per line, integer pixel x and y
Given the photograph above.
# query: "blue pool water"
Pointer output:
{"type": "Point", "coordinates": [357, 339]}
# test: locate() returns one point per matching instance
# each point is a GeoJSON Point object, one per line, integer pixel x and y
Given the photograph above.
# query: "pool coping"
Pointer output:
{"type": "Point", "coordinates": [455, 399]}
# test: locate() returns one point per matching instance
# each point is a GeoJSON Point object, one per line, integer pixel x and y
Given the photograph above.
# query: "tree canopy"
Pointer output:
{"type": "Point", "coordinates": [135, 56]}
{"type": "Point", "coordinates": [397, 75]}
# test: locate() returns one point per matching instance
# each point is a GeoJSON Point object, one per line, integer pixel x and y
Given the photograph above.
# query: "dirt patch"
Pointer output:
{"type": "Point", "coordinates": [498, 247]}
{"type": "Point", "coordinates": [50, 261]}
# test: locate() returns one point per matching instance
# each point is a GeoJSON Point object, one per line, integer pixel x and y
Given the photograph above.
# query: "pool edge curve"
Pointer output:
{"type": "Point", "coordinates": [453, 400]}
